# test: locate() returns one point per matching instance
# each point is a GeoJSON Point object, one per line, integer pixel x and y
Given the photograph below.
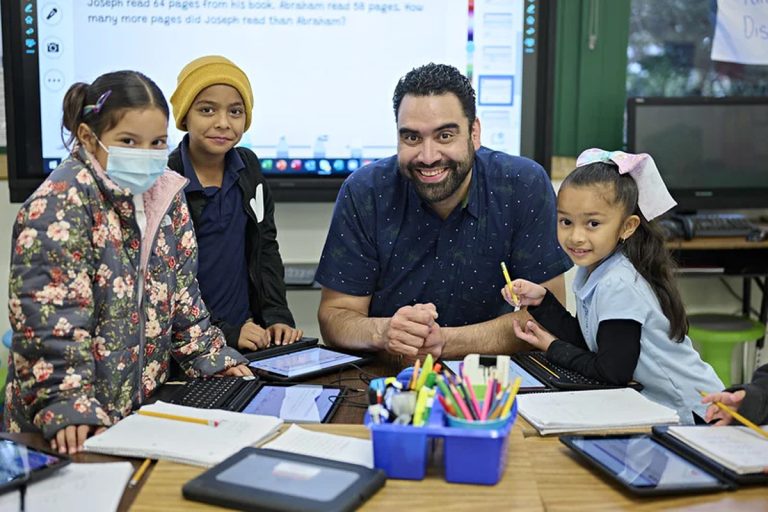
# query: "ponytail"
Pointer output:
{"type": "Point", "coordinates": [74, 103]}
{"type": "Point", "coordinates": [645, 249]}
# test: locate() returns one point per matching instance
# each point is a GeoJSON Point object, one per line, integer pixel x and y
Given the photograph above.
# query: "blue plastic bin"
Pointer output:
{"type": "Point", "coordinates": [470, 456]}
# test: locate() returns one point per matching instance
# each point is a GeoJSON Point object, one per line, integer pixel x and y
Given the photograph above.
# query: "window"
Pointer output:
{"type": "Point", "coordinates": [670, 42]}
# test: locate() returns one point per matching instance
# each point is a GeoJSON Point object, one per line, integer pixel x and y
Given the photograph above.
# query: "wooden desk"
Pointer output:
{"type": "Point", "coordinates": [541, 474]}
{"type": "Point", "coordinates": [736, 257]}
{"type": "Point", "coordinates": [516, 491]}
{"type": "Point", "coordinates": [565, 483]}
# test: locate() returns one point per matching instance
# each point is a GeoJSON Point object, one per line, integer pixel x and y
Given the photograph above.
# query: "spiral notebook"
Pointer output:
{"type": "Point", "coordinates": [183, 441]}
{"type": "Point", "coordinates": [593, 410]}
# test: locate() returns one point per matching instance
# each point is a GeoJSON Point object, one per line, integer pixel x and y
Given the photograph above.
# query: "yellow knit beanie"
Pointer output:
{"type": "Point", "coordinates": [205, 72]}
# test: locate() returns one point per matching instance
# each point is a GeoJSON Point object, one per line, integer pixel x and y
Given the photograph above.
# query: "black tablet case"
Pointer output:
{"type": "Point", "coordinates": [365, 358]}
{"type": "Point", "coordinates": [208, 489]}
{"type": "Point", "coordinates": [564, 383]}
{"type": "Point", "coordinates": [725, 483]}
{"type": "Point", "coordinates": [662, 435]}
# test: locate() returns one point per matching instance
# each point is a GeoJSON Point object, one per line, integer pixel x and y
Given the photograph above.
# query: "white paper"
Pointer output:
{"type": "Point", "coordinates": [181, 441]}
{"type": "Point", "coordinates": [299, 404]}
{"type": "Point", "coordinates": [738, 448]}
{"type": "Point", "coordinates": [599, 409]}
{"type": "Point", "coordinates": [75, 488]}
{"type": "Point", "coordinates": [325, 446]}
{"type": "Point", "coordinates": [741, 32]}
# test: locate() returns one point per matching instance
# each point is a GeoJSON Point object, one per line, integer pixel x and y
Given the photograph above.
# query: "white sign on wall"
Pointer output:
{"type": "Point", "coordinates": [741, 32]}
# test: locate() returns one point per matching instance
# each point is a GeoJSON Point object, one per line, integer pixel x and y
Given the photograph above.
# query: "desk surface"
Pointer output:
{"type": "Point", "coordinates": [162, 491]}
{"type": "Point", "coordinates": [541, 474]}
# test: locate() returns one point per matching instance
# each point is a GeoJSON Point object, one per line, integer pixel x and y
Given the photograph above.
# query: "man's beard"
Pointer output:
{"type": "Point", "coordinates": [435, 192]}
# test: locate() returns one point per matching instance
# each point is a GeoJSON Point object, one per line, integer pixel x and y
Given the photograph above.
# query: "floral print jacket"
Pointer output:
{"type": "Point", "coordinates": [96, 309]}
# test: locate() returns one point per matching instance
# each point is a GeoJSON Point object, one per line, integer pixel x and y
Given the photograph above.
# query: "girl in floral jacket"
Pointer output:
{"type": "Point", "coordinates": [102, 286]}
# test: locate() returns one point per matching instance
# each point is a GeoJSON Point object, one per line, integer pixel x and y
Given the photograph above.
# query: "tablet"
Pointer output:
{"type": "Point", "coordinates": [296, 403]}
{"type": "Point", "coordinates": [304, 363]}
{"type": "Point", "coordinates": [528, 383]}
{"type": "Point", "coordinates": [643, 466]}
{"type": "Point", "coordinates": [261, 479]}
{"type": "Point", "coordinates": [21, 464]}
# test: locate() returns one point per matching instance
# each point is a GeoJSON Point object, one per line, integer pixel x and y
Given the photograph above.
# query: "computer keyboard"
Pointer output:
{"type": "Point", "coordinates": [564, 375]}
{"type": "Point", "coordinates": [721, 225]}
{"type": "Point", "coordinates": [214, 393]}
{"type": "Point", "coordinates": [300, 274]}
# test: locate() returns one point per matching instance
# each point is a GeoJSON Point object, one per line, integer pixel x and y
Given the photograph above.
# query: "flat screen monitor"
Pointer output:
{"type": "Point", "coordinates": [323, 73]}
{"type": "Point", "coordinates": [711, 152]}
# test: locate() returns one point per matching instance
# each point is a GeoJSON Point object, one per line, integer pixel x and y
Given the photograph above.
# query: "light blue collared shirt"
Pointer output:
{"type": "Point", "coordinates": [671, 372]}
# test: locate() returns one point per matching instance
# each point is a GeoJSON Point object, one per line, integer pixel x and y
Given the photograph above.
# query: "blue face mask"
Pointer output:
{"type": "Point", "coordinates": [135, 169]}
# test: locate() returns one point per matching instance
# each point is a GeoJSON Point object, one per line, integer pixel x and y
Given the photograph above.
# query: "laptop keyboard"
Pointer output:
{"type": "Point", "coordinates": [564, 375]}
{"type": "Point", "coordinates": [211, 393]}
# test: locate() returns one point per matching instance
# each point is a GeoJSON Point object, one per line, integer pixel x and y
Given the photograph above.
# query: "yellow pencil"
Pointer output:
{"type": "Point", "coordinates": [512, 295]}
{"type": "Point", "coordinates": [542, 365]}
{"type": "Point", "coordinates": [511, 398]}
{"type": "Point", "coordinates": [139, 473]}
{"type": "Point", "coordinates": [738, 416]}
{"type": "Point", "coordinates": [177, 417]}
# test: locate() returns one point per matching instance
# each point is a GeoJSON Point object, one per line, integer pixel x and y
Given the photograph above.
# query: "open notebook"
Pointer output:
{"type": "Point", "coordinates": [738, 448]}
{"type": "Point", "coordinates": [182, 441]}
{"type": "Point", "coordinates": [593, 410]}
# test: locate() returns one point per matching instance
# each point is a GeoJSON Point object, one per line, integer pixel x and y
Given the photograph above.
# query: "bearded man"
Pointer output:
{"type": "Point", "coordinates": [411, 264]}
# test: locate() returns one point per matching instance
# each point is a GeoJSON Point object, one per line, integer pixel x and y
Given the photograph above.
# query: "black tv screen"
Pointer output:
{"type": "Point", "coordinates": [323, 73]}
{"type": "Point", "coordinates": [711, 152]}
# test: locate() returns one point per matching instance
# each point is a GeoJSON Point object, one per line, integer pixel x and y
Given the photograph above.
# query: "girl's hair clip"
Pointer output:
{"type": "Point", "coordinates": [96, 108]}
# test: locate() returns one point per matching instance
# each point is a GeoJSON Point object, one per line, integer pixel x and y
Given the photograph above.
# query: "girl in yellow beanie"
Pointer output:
{"type": "Point", "coordinates": [240, 270]}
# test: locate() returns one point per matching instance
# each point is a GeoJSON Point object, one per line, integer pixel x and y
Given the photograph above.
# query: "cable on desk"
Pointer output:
{"type": "Point", "coordinates": [22, 496]}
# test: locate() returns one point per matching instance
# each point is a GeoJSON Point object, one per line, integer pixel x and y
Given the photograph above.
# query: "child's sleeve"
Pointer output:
{"type": "Point", "coordinates": [557, 320]}
{"type": "Point", "coordinates": [618, 350]}
{"type": "Point", "coordinates": [51, 310]}
{"type": "Point", "coordinates": [198, 346]}
{"type": "Point", "coordinates": [755, 404]}
{"type": "Point", "coordinates": [274, 305]}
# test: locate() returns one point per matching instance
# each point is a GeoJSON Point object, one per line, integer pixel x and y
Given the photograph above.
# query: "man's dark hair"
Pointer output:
{"type": "Point", "coordinates": [433, 80]}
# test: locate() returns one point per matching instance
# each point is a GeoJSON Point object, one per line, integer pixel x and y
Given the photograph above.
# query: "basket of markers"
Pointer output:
{"type": "Point", "coordinates": [426, 408]}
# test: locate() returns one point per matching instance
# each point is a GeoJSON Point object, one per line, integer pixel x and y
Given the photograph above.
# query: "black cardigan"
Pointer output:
{"type": "Point", "coordinates": [266, 290]}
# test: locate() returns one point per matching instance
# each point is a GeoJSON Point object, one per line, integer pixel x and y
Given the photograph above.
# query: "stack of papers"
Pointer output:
{"type": "Point", "coordinates": [183, 441]}
{"type": "Point", "coordinates": [599, 409]}
{"type": "Point", "coordinates": [740, 449]}
{"type": "Point", "coordinates": [94, 486]}
{"type": "Point", "coordinates": [325, 446]}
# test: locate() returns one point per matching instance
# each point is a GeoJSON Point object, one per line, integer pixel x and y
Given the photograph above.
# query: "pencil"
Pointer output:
{"type": "Point", "coordinates": [540, 364]}
{"type": "Point", "coordinates": [487, 400]}
{"type": "Point", "coordinates": [178, 417]}
{"type": "Point", "coordinates": [744, 421]}
{"type": "Point", "coordinates": [511, 398]}
{"type": "Point", "coordinates": [512, 295]}
{"type": "Point", "coordinates": [136, 478]}
{"type": "Point", "coordinates": [415, 375]}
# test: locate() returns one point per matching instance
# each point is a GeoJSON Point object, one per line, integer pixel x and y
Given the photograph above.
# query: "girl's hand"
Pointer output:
{"type": "Point", "coordinates": [283, 334]}
{"type": "Point", "coordinates": [732, 400]}
{"type": "Point", "coordinates": [533, 334]}
{"type": "Point", "coordinates": [240, 370]}
{"type": "Point", "coordinates": [528, 293]}
{"type": "Point", "coordinates": [70, 439]}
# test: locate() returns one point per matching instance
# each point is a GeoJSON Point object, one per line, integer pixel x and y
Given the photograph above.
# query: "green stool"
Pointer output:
{"type": "Point", "coordinates": [716, 336]}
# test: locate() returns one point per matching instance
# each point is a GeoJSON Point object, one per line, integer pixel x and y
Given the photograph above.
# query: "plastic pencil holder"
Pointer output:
{"type": "Point", "coordinates": [470, 455]}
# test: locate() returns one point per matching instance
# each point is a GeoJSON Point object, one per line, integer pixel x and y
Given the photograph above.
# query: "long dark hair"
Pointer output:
{"type": "Point", "coordinates": [125, 90]}
{"type": "Point", "coordinates": [645, 248]}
